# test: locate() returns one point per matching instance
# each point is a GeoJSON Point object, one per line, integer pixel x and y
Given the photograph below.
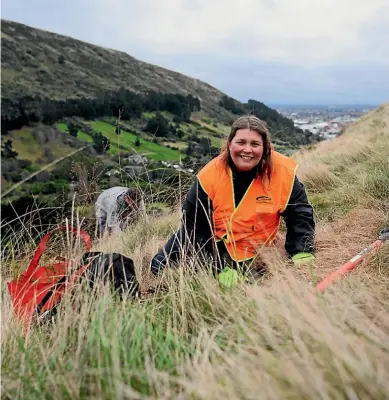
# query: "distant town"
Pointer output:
{"type": "Point", "coordinates": [325, 121]}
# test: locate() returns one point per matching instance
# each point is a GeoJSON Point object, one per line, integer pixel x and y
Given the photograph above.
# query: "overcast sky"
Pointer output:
{"type": "Point", "coordinates": [275, 51]}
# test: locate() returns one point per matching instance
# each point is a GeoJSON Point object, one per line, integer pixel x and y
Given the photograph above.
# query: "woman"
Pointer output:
{"type": "Point", "coordinates": [234, 206]}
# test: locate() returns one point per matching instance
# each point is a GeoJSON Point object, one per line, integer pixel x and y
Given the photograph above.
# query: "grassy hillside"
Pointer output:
{"type": "Point", "coordinates": [38, 145]}
{"type": "Point", "coordinates": [274, 339]}
{"type": "Point", "coordinates": [46, 77]}
{"type": "Point", "coordinates": [125, 142]}
{"type": "Point", "coordinates": [29, 148]}
{"type": "Point", "coordinates": [59, 67]}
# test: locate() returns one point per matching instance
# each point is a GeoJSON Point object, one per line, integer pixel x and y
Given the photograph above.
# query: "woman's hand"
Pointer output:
{"type": "Point", "coordinates": [228, 277]}
{"type": "Point", "coordinates": [303, 258]}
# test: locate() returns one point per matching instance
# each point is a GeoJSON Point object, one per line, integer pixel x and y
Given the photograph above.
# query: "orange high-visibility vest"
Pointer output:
{"type": "Point", "coordinates": [255, 220]}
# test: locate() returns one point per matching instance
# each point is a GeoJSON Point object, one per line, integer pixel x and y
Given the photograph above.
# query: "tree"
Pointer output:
{"type": "Point", "coordinates": [178, 119]}
{"type": "Point", "coordinates": [186, 115]}
{"type": "Point", "coordinates": [158, 125]}
{"type": "Point", "coordinates": [100, 143]}
{"type": "Point", "coordinates": [137, 142]}
{"type": "Point", "coordinates": [7, 150]}
{"type": "Point", "coordinates": [190, 149]}
{"type": "Point", "coordinates": [72, 129]}
{"type": "Point", "coordinates": [231, 105]}
{"type": "Point", "coordinates": [205, 144]}
{"type": "Point", "coordinates": [180, 133]}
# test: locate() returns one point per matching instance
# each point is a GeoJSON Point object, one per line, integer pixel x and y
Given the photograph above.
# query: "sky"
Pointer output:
{"type": "Point", "coordinates": [275, 51]}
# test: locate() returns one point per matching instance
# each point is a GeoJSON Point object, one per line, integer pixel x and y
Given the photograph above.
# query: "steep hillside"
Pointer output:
{"type": "Point", "coordinates": [192, 339]}
{"type": "Point", "coordinates": [43, 72]}
{"type": "Point", "coordinates": [59, 67]}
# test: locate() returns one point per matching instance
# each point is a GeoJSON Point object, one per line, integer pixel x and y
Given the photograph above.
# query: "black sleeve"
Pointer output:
{"type": "Point", "coordinates": [300, 223]}
{"type": "Point", "coordinates": [195, 230]}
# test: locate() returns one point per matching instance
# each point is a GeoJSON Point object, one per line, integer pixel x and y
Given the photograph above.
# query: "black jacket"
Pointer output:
{"type": "Point", "coordinates": [196, 228]}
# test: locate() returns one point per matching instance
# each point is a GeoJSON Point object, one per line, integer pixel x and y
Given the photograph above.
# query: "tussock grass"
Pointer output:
{"type": "Point", "coordinates": [197, 341]}
{"type": "Point", "coordinates": [351, 171]}
{"type": "Point", "coordinates": [191, 339]}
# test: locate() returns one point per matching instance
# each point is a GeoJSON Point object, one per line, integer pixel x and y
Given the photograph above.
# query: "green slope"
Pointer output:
{"type": "Point", "coordinates": [81, 135]}
{"type": "Point", "coordinates": [126, 141]}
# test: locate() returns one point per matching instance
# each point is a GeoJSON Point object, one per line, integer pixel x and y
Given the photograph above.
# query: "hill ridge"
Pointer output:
{"type": "Point", "coordinates": [147, 75]}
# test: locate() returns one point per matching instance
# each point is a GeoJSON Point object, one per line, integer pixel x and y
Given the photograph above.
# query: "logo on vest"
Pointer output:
{"type": "Point", "coordinates": [263, 199]}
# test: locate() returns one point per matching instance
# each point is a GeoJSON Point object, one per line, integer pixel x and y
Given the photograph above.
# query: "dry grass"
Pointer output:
{"type": "Point", "coordinates": [275, 339]}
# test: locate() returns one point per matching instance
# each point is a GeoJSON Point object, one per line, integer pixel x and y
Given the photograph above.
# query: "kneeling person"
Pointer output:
{"type": "Point", "coordinates": [234, 206]}
{"type": "Point", "coordinates": [117, 207]}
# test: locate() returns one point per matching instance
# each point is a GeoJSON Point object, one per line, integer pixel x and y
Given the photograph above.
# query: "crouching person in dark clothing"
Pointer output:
{"type": "Point", "coordinates": [235, 204]}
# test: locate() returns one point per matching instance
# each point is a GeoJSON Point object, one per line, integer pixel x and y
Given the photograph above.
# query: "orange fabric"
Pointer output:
{"type": "Point", "coordinates": [29, 289]}
{"type": "Point", "coordinates": [256, 219]}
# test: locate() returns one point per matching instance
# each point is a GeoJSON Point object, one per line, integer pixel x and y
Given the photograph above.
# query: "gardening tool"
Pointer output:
{"type": "Point", "coordinates": [353, 262]}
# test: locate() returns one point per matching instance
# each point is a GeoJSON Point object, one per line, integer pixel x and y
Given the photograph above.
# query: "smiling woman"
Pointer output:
{"type": "Point", "coordinates": [234, 207]}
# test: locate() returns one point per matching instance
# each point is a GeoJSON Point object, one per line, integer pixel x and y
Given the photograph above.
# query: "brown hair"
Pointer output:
{"type": "Point", "coordinates": [253, 123]}
{"type": "Point", "coordinates": [134, 196]}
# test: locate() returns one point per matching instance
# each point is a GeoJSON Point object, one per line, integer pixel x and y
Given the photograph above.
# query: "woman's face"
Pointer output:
{"type": "Point", "coordinates": [246, 149]}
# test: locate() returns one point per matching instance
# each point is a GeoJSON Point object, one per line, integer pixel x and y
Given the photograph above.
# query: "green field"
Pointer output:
{"type": "Point", "coordinates": [25, 144]}
{"type": "Point", "coordinates": [62, 127]}
{"type": "Point", "coordinates": [27, 147]}
{"type": "Point", "coordinates": [126, 141]}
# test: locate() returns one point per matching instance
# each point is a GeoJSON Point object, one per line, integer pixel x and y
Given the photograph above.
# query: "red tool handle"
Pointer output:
{"type": "Point", "coordinates": [42, 246]}
{"type": "Point", "coordinates": [348, 266]}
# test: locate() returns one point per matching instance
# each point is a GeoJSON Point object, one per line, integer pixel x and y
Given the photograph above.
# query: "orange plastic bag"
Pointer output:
{"type": "Point", "coordinates": [40, 288]}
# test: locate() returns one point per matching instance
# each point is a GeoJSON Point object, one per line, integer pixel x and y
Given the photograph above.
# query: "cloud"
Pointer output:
{"type": "Point", "coordinates": [281, 30]}
{"type": "Point", "coordinates": [277, 82]}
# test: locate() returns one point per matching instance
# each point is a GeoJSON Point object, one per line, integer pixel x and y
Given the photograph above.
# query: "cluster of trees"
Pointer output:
{"type": "Point", "coordinates": [179, 105]}
{"type": "Point", "coordinates": [26, 109]}
{"type": "Point", "coordinates": [231, 105]}
{"type": "Point", "coordinates": [159, 126]}
{"type": "Point", "coordinates": [281, 128]}
{"type": "Point", "coordinates": [200, 149]}
{"type": "Point", "coordinates": [12, 169]}
{"type": "Point", "coordinates": [7, 150]}
{"type": "Point", "coordinates": [72, 129]}
{"type": "Point", "coordinates": [100, 142]}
